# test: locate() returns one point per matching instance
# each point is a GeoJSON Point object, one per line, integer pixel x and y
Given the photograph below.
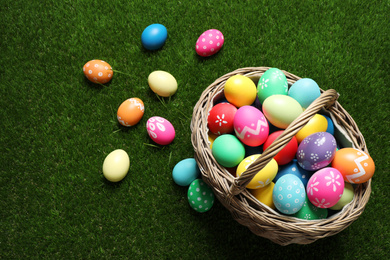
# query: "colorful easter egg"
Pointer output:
{"type": "Point", "coordinates": [211, 138]}
{"type": "Point", "coordinates": [272, 82]}
{"type": "Point", "coordinates": [130, 111]}
{"type": "Point", "coordinates": [250, 126]}
{"type": "Point", "coordinates": [281, 110]}
{"type": "Point", "coordinates": [263, 177]}
{"type": "Point", "coordinates": [355, 165]}
{"type": "Point", "coordinates": [311, 212]}
{"type": "Point", "coordinates": [162, 83]}
{"type": "Point", "coordinates": [98, 71]}
{"type": "Point", "coordinates": [305, 91]}
{"type": "Point", "coordinates": [317, 123]}
{"type": "Point", "coordinates": [330, 128]}
{"type": "Point", "coordinates": [209, 43]}
{"type": "Point", "coordinates": [316, 151]}
{"type": "Point", "coordinates": [228, 151]}
{"type": "Point", "coordinates": [264, 195]}
{"type": "Point", "coordinates": [160, 130]}
{"type": "Point", "coordinates": [294, 168]}
{"type": "Point", "coordinates": [240, 90]}
{"type": "Point", "coordinates": [346, 198]}
{"type": "Point", "coordinates": [325, 187]}
{"type": "Point", "coordinates": [288, 152]}
{"type": "Point", "coordinates": [221, 118]}
{"type": "Point", "coordinates": [289, 194]}
{"type": "Point", "coordinates": [116, 165]}
{"type": "Point", "coordinates": [185, 172]}
{"type": "Point", "coordinates": [154, 36]}
{"type": "Point", "coordinates": [200, 196]}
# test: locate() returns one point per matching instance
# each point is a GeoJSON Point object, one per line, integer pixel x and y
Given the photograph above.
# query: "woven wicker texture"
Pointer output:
{"type": "Point", "coordinates": [231, 192]}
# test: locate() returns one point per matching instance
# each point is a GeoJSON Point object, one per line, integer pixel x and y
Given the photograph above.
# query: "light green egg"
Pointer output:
{"type": "Point", "coordinates": [228, 151]}
{"type": "Point", "coordinates": [346, 198]}
{"type": "Point", "coordinates": [310, 212]}
{"type": "Point", "coordinates": [281, 110]}
{"type": "Point", "coordinates": [272, 82]}
{"type": "Point", "coordinates": [200, 196]}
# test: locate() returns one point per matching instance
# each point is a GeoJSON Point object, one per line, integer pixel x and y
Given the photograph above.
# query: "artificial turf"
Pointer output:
{"type": "Point", "coordinates": [57, 127]}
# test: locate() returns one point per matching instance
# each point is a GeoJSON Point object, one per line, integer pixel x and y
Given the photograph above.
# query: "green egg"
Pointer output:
{"type": "Point", "coordinates": [310, 212]}
{"type": "Point", "coordinates": [272, 82]}
{"type": "Point", "coordinates": [228, 150]}
{"type": "Point", "coordinates": [346, 198]}
{"type": "Point", "coordinates": [200, 196]}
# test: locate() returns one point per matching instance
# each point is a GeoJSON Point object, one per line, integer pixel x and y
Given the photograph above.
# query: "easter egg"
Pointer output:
{"type": "Point", "coordinates": [209, 43]}
{"type": "Point", "coordinates": [346, 198]}
{"type": "Point", "coordinates": [317, 123]}
{"type": "Point", "coordinates": [211, 138]}
{"type": "Point", "coordinates": [154, 36]}
{"type": "Point", "coordinates": [221, 117]}
{"type": "Point", "coordinates": [200, 196]}
{"type": "Point", "coordinates": [311, 212]}
{"type": "Point", "coordinates": [227, 150]}
{"type": "Point", "coordinates": [305, 91]}
{"type": "Point", "coordinates": [98, 71]}
{"type": "Point", "coordinates": [294, 168]}
{"type": "Point", "coordinates": [162, 83]}
{"type": "Point", "coordinates": [289, 194]}
{"type": "Point", "coordinates": [272, 82]}
{"type": "Point", "coordinates": [116, 165]}
{"type": "Point", "coordinates": [316, 151]}
{"type": "Point", "coordinates": [250, 126]}
{"type": "Point", "coordinates": [160, 130]}
{"type": "Point", "coordinates": [264, 195]}
{"type": "Point", "coordinates": [240, 90]}
{"type": "Point", "coordinates": [325, 187]}
{"type": "Point", "coordinates": [185, 172]}
{"type": "Point", "coordinates": [355, 165]}
{"type": "Point", "coordinates": [330, 128]}
{"type": "Point", "coordinates": [288, 152]}
{"type": "Point", "coordinates": [263, 177]}
{"type": "Point", "coordinates": [281, 110]}
{"type": "Point", "coordinates": [130, 112]}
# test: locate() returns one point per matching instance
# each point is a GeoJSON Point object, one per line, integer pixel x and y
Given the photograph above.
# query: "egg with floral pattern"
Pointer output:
{"type": "Point", "coordinates": [325, 187]}
{"type": "Point", "coordinates": [316, 151]}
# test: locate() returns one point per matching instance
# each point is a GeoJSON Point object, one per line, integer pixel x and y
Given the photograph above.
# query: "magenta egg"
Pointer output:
{"type": "Point", "coordinates": [160, 130]}
{"type": "Point", "coordinates": [251, 126]}
{"type": "Point", "coordinates": [316, 151]}
{"type": "Point", "coordinates": [209, 43]}
{"type": "Point", "coordinates": [325, 187]}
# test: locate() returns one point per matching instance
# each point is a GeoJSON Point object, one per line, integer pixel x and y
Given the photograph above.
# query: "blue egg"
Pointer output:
{"type": "Point", "coordinates": [293, 168]}
{"type": "Point", "coordinates": [154, 36]}
{"type": "Point", "coordinates": [289, 194]}
{"type": "Point", "coordinates": [305, 91]}
{"type": "Point", "coordinates": [185, 172]}
{"type": "Point", "coordinates": [330, 128]}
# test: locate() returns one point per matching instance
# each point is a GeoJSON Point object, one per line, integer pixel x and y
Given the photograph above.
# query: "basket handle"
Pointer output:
{"type": "Point", "coordinates": [325, 100]}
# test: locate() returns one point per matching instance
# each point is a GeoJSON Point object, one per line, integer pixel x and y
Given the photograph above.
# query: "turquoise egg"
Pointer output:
{"type": "Point", "coordinates": [154, 36]}
{"type": "Point", "coordinates": [228, 151]}
{"type": "Point", "coordinates": [272, 82]}
{"type": "Point", "coordinates": [185, 172]}
{"type": "Point", "coordinates": [305, 91]}
{"type": "Point", "coordinates": [289, 194]}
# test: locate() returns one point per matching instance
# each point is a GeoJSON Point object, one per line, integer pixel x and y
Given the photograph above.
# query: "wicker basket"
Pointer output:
{"type": "Point", "coordinates": [231, 192]}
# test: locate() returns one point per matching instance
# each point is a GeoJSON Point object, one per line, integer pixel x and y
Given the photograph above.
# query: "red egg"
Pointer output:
{"type": "Point", "coordinates": [221, 118]}
{"type": "Point", "coordinates": [285, 155]}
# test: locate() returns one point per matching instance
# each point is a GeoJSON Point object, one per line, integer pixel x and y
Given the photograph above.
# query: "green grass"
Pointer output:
{"type": "Point", "coordinates": [57, 128]}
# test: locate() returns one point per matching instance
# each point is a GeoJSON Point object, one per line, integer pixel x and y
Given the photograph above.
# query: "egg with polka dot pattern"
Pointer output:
{"type": "Point", "coordinates": [200, 196]}
{"type": "Point", "coordinates": [289, 194]}
{"type": "Point", "coordinates": [209, 43]}
{"type": "Point", "coordinates": [98, 71]}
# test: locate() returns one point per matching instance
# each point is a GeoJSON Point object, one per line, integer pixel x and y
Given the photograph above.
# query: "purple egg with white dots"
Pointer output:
{"type": "Point", "coordinates": [316, 151]}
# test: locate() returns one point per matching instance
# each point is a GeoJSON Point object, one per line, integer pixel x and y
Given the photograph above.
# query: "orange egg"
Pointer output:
{"type": "Point", "coordinates": [355, 165]}
{"type": "Point", "coordinates": [130, 111]}
{"type": "Point", "coordinates": [98, 71]}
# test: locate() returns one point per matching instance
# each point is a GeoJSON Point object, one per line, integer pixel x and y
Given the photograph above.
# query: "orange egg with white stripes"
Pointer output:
{"type": "Point", "coordinates": [98, 71]}
{"type": "Point", "coordinates": [355, 165]}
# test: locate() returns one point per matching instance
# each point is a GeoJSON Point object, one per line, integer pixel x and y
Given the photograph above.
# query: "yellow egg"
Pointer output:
{"type": "Point", "coordinates": [116, 165]}
{"type": "Point", "coordinates": [264, 195]}
{"type": "Point", "coordinates": [240, 90]}
{"type": "Point", "coordinates": [211, 138]}
{"type": "Point", "coordinates": [263, 177]}
{"type": "Point", "coordinates": [317, 123]}
{"type": "Point", "coordinates": [162, 83]}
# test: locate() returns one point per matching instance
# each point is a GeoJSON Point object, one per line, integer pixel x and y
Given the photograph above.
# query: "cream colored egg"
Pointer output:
{"type": "Point", "coordinates": [116, 165]}
{"type": "Point", "coordinates": [162, 83]}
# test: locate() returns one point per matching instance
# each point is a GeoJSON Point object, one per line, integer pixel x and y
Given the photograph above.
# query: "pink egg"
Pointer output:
{"type": "Point", "coordinates": [209, 42]}
{"type": "Point", "coordinates": [325, 187]}
{"type": "Point", "coordinates": [250, 126]}
{"type": "Point", "coordinates": [160, 130]}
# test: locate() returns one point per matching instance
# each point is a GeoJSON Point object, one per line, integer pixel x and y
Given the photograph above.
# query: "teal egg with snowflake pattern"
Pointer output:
{"type": "Point", "coordinates": [272, 82]}
{"type": "Point", "coordinates": [311, 212]}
